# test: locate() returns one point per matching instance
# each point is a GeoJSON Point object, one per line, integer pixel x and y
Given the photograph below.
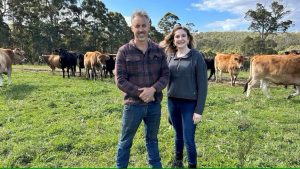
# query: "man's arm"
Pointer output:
{"type": "Point", "coordinates": [164, 76]}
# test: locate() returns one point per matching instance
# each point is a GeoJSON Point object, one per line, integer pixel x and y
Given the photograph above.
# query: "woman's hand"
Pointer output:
{"type": "Point", "coordinates": [197, 118]}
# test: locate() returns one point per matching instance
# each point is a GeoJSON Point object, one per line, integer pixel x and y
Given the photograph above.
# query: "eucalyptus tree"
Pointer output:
{"type": "Point", "coordinates": [4, 28]}
{"type": "Point", "coordinates": [268, 22]}
{"type": "Point", "coordinates": [117, 30]}
{"type": "Point", "coordinates": [96, 21]}
{"type": "Point", "coordinates": [167, 22]}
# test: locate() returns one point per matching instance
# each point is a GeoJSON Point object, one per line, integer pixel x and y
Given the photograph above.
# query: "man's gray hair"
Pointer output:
{"type": "Point", "coordinates": [141, 14]}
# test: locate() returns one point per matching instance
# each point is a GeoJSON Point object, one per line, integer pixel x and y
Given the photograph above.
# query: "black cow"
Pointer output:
{"type": "Point", "coordinates": [80, 61]}
{"type": "Point", "coordinates": [210, 64]}
{"type": "Point", "coordinates": [67, 60]}
{"type": "Point", "coordinates": [110, 65]}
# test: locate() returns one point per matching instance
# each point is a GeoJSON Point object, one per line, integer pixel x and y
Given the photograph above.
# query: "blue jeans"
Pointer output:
{"type": "Point", "coordinates": [181, 113]}
{"type": "Point", "coordinates": [133, 115]}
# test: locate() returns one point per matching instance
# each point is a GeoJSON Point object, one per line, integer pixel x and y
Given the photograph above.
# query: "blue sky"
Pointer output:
{"type": "Point", "coordinates": [207, 15]}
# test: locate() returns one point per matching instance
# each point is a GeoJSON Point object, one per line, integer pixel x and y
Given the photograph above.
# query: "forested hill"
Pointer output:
{"type": "Point", "coordinates": [232, 41]}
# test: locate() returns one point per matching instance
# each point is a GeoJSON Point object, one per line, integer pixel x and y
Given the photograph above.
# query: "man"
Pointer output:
{"type": "Point", "coordinates": [141, 73]}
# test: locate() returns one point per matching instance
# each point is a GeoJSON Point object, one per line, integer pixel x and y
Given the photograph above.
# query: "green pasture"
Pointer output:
{"type": "Point", "coordinates": [47, 121]}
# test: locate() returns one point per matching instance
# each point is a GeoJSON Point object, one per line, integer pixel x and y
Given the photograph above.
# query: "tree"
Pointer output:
{"type": "Point", "coordinates": [267, 22]}
{"type": "Point", "coordinates": [117, 35]}
{"type": "Point", "coordinates": [155, 35]}
{"type": "Point", "coordinates": [167, 23]}
{"type": "Point", "coordinates": [4, 28]}
{"type": "Point", "coordinates": [190, 27]}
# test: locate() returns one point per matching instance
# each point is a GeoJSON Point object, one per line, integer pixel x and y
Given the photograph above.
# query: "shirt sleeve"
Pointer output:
{"type": "Point", "coordinates": [164, 75]}
{"type": "Point", "coordinates": [121, 77]}
{"type": "Point", "coordinates": [201, 79]}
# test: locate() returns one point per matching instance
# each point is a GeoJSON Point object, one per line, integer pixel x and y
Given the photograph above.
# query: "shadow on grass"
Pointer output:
{"type": "Point", "coordinates": [19, 91]}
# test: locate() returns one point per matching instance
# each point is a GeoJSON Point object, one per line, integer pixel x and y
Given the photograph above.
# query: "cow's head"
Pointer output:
{"type": "Point", "coordinates": [19, 55]}
{"type": "Point", "coordinates": [101, 58]}
{"type": "Point", "coordinates": [238, 60]}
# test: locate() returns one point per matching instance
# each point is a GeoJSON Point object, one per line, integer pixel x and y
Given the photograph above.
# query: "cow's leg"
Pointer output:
{"type": "Point", "coordinates": [63, 70]}
{"type": "Point", "coordinates": [217, 75]}
{"type": "Point", "coordinates": [210, 75]}
{"type": "Point", "coordinates": [94, 73]}
{"type": "Point", "coordinates": [264, 88]}
{"type": "Point", "coordinates": [87, 73]}
{"type": "Point", "coordinates": [296, 93]}
{"type": "Point", "coordinates": [1, 80]}
{"type": "Point", "coordinates": [74, 69]}
{"type": "Point", "coordinates": [250, 85]}
{"type": "Point", "coordinates": [68, 72]}
{"type": "Point", "coordinates": [9, 76]}
{"type": "Point", "coordinates": [232, 76]}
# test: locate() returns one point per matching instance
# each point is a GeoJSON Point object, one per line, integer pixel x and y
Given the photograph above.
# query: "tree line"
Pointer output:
{"type": "Point", "coordinates": [40, 26]}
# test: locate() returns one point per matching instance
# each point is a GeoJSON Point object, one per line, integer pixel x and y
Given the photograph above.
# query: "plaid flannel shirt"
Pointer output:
{"type": "Point", "coordinates": [135, 70]}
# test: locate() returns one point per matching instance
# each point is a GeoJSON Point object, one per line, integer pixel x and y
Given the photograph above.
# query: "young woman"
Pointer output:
{"type": "Point", "coordinates": [186, 91]}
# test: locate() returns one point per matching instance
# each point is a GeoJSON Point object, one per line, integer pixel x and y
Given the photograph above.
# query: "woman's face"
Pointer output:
{"type": "Point", "coordinates": [181, 39]}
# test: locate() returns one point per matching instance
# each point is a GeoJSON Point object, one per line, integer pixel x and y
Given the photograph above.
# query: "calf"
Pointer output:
{"type": "Point", "coordinates": [279, 69]}
{"type": "Point", "coordinates": [110, 65]}
{"type": "Point", "coordinates": [210, 64]}
{"type": "Point", "coordinates": [94, 61]}
{"type": "Point", "coordinates": [53, 61]}
{"type": "Point", "coordinates": [228, 63]}
{"type": "Point", "coordinates": [7, 58]}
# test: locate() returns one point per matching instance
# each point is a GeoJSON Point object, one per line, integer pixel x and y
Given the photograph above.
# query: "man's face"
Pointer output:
{"type": "Point", "coordinates": [140, 27]}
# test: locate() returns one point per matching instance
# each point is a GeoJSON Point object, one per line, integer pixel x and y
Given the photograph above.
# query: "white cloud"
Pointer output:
{"type": "Point", "coordinates": [239, 7]}
{"type": "Point", "coordinates": [231, 6]}
{"type": "Point", "coordinates": [228, 25]}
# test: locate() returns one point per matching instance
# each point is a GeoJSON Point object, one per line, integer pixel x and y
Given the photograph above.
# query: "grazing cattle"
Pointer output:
{"type": "Point", "coordinates": [53, 61]}
{"type": "Point", "coordinates": [67, 60]}
{"type": "Point", "coordinates": [94, 61]}
{"type": "Point", "coordinates": [7, 58]}
{"type": "Point", "coordinates": [110, 65]}
{"type": "Point", "coordinates": [210, 64]}
{"type": "Point", "coordinates": [295, 52]}
{"type": "Point", "coordinates": [279, 69]}
{"type": "Point", "coordinates": [228, 63]}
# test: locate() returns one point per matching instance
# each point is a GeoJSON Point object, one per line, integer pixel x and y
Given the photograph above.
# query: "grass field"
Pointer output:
{"type": "Point", "coordinates": [48, 121]}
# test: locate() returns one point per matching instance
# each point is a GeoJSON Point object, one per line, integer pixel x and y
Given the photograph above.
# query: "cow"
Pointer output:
{"type": "Point", "coordinates": [278, 69]}
{"type": "Point", "coordinates": [93, 62]}
{"type": "Point", "coordinates": [80, 61]}
{"type": "Point", "coordinates": [53, 61]}
{"type": "Point", "coordinates": [210, 64]}
{"type": "Point", "coordinates": [295, 52]}
{"type": "Point", "coordinates": [67, 60]}
{"type": "Point", "coordinates": [110, 65]}
{"type": "Point", "coordinates": [228, 63]}
{"type": "Point", "coordinates": [7, 58]}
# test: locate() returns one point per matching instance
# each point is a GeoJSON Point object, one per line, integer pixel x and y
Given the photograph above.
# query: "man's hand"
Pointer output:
{"type": "Point", "coordinates": [147, 94]}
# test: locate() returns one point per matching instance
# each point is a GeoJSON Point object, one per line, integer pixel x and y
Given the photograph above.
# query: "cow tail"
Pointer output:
{"type": "Point", "coordinates": [249, 79]}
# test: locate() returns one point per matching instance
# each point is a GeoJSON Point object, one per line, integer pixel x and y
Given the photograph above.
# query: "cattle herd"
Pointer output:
{"type": "Point", "coordinates": [277, 69]}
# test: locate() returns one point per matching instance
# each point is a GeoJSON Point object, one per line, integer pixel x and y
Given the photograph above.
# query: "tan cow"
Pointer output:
{"type": "Point", "coordinates": [7, 58]}
{"type": "Point", "coordinates": [228, 63]}
{"type": "Point", "coordinates": [52, 61]}
{"type": "Point", "coordinates": [279, 69]}
{"type": "Point", "coordinates": [94, 61]}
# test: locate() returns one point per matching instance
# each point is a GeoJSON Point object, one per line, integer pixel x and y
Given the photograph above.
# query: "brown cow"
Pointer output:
{"type": "Point", "coordinates": [279, 69]}
{"type": "Point", "coordinates": [52, 61]}
{"type": "Point", "coordinates": [94, 61]}
{"type": "Point", "coordinates": [7, 58]}
{"type": "Point", "coordinates": [228, 63]}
